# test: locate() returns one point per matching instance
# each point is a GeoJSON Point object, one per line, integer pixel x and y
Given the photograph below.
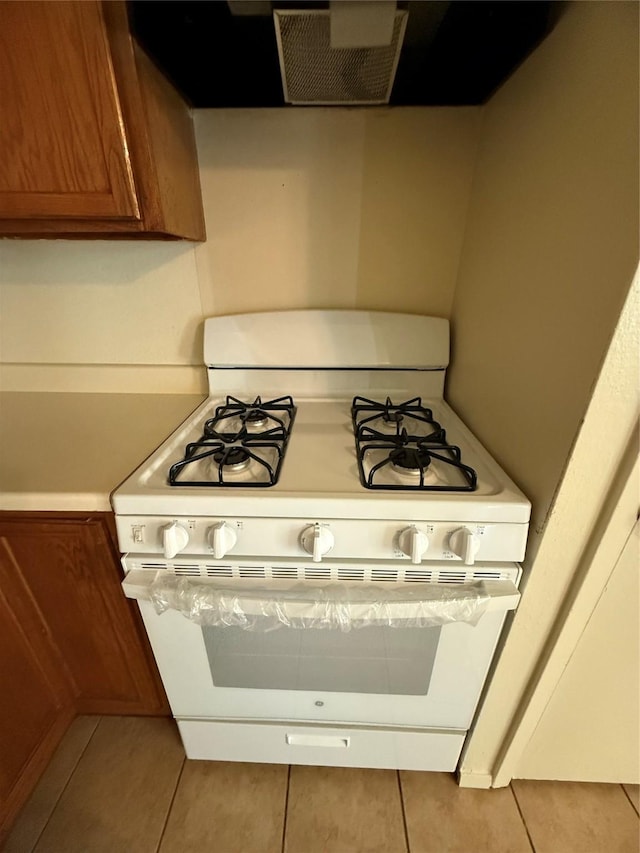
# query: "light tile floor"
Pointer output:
{"type": "Point", "coordinates": [121, 784]}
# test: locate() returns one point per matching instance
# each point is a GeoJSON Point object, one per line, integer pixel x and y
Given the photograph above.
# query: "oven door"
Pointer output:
{"type": "Point", "coordinates": [375, 675]}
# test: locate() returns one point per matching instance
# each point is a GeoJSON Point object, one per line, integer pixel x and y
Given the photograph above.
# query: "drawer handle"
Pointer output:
{"type": "Point", "coordinates": [318, 740]}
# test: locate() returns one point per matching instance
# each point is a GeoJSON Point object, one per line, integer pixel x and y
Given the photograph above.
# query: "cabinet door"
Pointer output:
{"type": "Point", "coordinates": [36, 705]}
{"type": "Point", "coordinates": [73, 573]}
{"type": "Point", "coordinates": [64, 150]}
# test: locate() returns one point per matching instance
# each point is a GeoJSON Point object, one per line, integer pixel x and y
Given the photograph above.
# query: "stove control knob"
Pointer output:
{"type": "Point", "coordinates": [465, 544]}
{"type": "Point", "coordinates": [317, 541]}
{"type": "Point", "coordinates": [222, 538]}
{"type": "Point", "coordinates": [414, 543]}
{"type": "Point", "coordinates": [174, 539]}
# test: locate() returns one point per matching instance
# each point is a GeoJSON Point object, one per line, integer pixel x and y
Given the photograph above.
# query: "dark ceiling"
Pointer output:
{"type": "Point", "coordinates": [454, 53]}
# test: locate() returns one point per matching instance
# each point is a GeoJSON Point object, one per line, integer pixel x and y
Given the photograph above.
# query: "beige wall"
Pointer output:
{"type": "Point", "coordinates": [304, 209]}
{"type": "Point", "coordinates": [417, 173]}
{"type": "Point", "coordinates": [99, 315]}
{"type": "Point", "coordinates": [551, 244]}
{"type": "Point", "coordinates": [282, 196]}
{"type": "Point", "coordinates": [331, 208]}
{"type": "Point", "coordinates": [98, 302]}
{"type": "Point", "coordinates": [549, 256]}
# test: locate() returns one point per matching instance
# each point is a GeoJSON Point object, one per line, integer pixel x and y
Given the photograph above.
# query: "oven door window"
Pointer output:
{"type": "Point", "coordinates": [396, 661]}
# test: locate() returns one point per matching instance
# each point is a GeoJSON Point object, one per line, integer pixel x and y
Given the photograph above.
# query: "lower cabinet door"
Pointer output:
{"type": "Point", "coordinates": [37, 705]}
{"type": "Point", "coordinates": [71, 643]}
{"type": "Point", "coordinates": [71, 567]}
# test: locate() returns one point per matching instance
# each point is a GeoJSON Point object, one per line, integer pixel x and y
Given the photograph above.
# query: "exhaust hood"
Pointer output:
{"type": "Point", "coordinates": [339, 56]}
{"type": "Point", "coordinates": [255, 53]}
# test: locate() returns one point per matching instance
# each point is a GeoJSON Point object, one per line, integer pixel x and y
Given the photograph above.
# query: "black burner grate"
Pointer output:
{"type": "Point", "coordinates": [240, 437]}
{"type": "Point", "coordinates": [408, 454]}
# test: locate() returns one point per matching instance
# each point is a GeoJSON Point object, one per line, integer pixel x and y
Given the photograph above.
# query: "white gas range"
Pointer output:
{"type": "Point", "coordinates": [323, 553]}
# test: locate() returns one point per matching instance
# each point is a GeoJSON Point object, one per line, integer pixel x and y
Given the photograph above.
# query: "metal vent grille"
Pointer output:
{"type": "Point", "coordinates": [252, 571]}
{"type": "Point", "coordinates": [218, 571]}
{"type": "Point", "coordinates": [418, 575]}
{"type": "Point", "coordinates": [315, 73]}
{"type": "Point", "coordinates": [188, 570]}
{"type": "Point", "coordinates": [402, 573]}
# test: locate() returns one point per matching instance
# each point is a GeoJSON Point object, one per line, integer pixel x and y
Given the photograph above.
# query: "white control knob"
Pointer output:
{"type": "Point", "coordinates": [175, 538]}
{"type": "Point", "coordinates": [414, 543]}
{"type": "Point", "coordinates": [222, 538]}
{"type": "Point", "coordinates": [464, 544]}
{"type": "Point", "coordinates": [317, 541]}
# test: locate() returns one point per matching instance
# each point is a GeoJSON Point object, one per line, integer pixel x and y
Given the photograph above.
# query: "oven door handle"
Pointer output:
{"type": "Point", "coordinates": [137, 584]}
{"type": "Point", "coordinates": [503, 594]}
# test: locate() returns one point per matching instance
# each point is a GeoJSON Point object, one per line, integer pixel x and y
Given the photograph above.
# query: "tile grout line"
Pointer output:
{"type": "Point", "coordinates": [522, 818]}
{"type": "Point", "coordinates": [286, 810]}
{"type": "Point", "coordinates": [404, 815]}
{"type": "Point", "coordinates": [171, 802]}
{"type": "Point", "coordinates": [66, 784]}
{"type": "Point", "coordinates": [633, 805]}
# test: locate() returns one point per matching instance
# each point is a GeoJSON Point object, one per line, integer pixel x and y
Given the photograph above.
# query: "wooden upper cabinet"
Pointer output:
{"type": "Point", "coordinates": [94, 139]}
{"type": "Point", "coordinates": [65, 149]}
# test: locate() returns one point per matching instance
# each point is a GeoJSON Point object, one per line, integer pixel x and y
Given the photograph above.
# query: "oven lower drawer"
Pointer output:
{"type": "Point", "coordinates": [283, 743]}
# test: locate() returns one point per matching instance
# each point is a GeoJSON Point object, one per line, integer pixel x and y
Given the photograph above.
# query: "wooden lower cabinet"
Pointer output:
{"type": "Point", "coordinates": [37, 704]}
{"type": "Point", "coordinates": [71, 642]}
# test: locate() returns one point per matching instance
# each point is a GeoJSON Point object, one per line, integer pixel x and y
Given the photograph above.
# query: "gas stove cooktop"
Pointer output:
{"type": "Point", "coordinates": [334, 429]}
{"type": "Point", "coordinates": [321, 468]}
{"type": "Point", "coordinates": [398, 447]}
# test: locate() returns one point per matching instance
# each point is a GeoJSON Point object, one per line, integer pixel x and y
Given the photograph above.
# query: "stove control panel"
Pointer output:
{"type": "Point", "coordinates": [412, 540]}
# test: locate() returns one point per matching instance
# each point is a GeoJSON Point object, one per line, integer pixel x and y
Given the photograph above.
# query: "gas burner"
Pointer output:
{"type": "Point", "coordinates": [420, 459]}
{"type": "Point", "coordinates": [389, 423]}
{"type": "Point", "coordinates": [255, 419]}
{"type": "Point", "coordinates": [236, 459]}
{"type": "Point", "coordinates": [388, 418]}
{"type": "Point", "coordinates": [410, 460]}
{"type": "Point", "coordinates": [243, 444]}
